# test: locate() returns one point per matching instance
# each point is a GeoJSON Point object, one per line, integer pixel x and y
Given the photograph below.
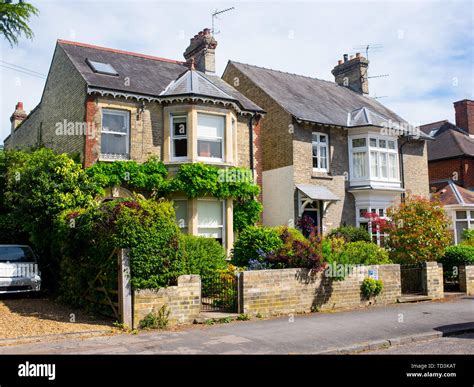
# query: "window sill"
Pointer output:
{"type": "Point", "coordinates": [321, 175]}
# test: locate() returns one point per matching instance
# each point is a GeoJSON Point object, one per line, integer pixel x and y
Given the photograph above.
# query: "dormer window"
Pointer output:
{"type": "Point", "coordinates": [101, 68]}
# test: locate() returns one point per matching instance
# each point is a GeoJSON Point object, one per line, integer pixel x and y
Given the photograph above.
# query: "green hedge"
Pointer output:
{"type": "Point", "coordinates": [457, 255]}
{"type": "Point", "coordinates": [350, 234]}
{"type": "Point", "coordinates": [365, 253]}
{"type": "Point", "coordinates": [203, 256]}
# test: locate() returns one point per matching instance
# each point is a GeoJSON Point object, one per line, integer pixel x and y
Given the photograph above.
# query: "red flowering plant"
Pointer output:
{"type": "Point", "coordinates": [377, 223]}
{"type": "Point", "coordinates": [306, 224]}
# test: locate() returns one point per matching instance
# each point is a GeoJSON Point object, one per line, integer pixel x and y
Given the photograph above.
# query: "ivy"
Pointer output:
{"type": "Point", "coordinates": [194, 180]}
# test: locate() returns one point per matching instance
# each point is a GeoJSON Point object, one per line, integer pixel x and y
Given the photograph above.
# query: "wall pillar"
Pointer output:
{"type": "Point", "coordinates": [466, 279]}
{"type": "Point", "coordinates": [433, 279]}
{"type": "Point", "coordinates": [229, 224]}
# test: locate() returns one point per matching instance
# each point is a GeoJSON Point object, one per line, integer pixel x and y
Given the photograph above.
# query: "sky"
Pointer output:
{"type": "Point", "coordinates": [425, 47]}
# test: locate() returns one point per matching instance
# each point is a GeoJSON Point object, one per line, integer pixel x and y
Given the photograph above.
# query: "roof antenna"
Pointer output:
{"type": "Point", "coordinates": [369, 47]}
{"type": "Point", "coordinates": [214, 16]}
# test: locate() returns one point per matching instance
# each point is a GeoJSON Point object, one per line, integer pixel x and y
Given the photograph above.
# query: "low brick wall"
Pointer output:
{"type": "Point", "coordinates": [433, 279]}
{"type": "Point", "coordinates": [275, 292]}
{"type": "Point", "coordinates": [466, 279]}
{"type": "Point", "coordinates": [183, 301]}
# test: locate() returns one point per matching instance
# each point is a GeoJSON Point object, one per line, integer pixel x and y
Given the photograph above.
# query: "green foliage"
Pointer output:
{"type": "Point", "coordinates": [156, 320]}
{"type": "Point", "coordinates": [457, 255]}
{"type": "Point", "coordinates": [194, 180]}
{"type": "Point", "coordinates": [253, 242]}
{"type": "Point", "coordinates": [203, 256]}
{"type": "Point", "coordinates": [365, 253]}
{"type": "Point", "coordinates": [371, 287]}
{"type": "Point", "coordinates": [243, 317]}
{"type": "Point", "coordinates": [468, 237]}
{"type": "Point", "coordinates": [294, 233]}
{"type": "Point", "coordinates": [14, 20]}
{"type": "Point", "coordinates": [350, 234]}
{"type": "Point", "coordinates": [36, 187]}
{"type": "Point", "coordinates": [418, 231]}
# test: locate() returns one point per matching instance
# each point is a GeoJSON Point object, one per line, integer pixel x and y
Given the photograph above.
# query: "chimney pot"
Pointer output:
{"type": "Point", "coordinates": [19, 106]}
{"type": "Point", "coordinates": [357, 54]}
{"type": "Point", "coordinates": [345, 57]}
{"type": "Point", "coordinates": [339, 62]}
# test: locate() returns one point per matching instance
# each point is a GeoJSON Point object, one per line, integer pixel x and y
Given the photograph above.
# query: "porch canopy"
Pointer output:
{"type": "Point", "coordinates": [316, 192]}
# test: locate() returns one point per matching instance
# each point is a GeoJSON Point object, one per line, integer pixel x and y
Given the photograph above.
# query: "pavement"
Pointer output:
{"type": "Point", "coordinates": [342, 332]}
{"type": "Point", "coordinates": [454, 345]}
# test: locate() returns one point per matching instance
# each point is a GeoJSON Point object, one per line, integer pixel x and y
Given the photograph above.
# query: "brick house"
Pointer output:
{"type": "Point", "coordinates": [105, 104]}
{"type": "Point", "coordinates": [451, 165]}
{"type": "Point", "coordinates": [329, 151]}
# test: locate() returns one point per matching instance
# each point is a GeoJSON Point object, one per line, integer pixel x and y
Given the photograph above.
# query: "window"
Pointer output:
{"type": "Point", "coordinates": [115, 136]}
{"type": "Point", "coordinates": [211, 219]}
{"type": "Point", "coordinates": [210, 137]}
{"type": "Point", "coordinates": [179, 136]}
{"type": "Point", "coordinates": [181, 210]}
{"type": "Point", "coordinates": [464, 220]}
{"type": "Point", "coordinates": [320, 151]}
{"type": "Point", "coordinates": [380, 157]}
{"type": "Point", "coordinates": [101, 68]}
{"type": "Point", "coordinates": [365, 222]}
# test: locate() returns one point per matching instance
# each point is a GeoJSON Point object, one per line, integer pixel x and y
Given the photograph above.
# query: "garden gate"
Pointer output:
{"type": "Point", "coordinates": [412, 278]}
{"type": "Point", "coordinates": [220, 293]}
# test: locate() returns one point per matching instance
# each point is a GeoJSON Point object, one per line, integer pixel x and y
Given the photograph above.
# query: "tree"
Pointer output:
{"type": "Point", "coordinates": [418, 230]}
{"type": "Point", "coordinates": [14, 19]}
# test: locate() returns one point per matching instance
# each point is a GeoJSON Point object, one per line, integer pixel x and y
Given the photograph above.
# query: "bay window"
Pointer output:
{"type": "Point", "coordinates": [376, 161]}
{"type": "Point", "coordinates": [179, 137]}
{"type": "Point", "coordinates": [211, 219]}
{"type": "Point", "coordinates": [115, 134]}
{"type": "Point", "coordinates": [181, 211]}
{"type": "Point", "coordinates": [210, 137]}
{"type": "Point", "coordinates": [320, 151]}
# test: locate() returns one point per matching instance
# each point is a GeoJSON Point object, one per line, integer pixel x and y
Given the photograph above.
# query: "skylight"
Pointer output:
{"type": "Point", "coordinates": [101, 68]}
{"type": "Point", "coordinates": [433, 132]}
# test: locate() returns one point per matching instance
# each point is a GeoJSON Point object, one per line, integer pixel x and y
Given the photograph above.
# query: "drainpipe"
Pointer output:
{"type": "Point", "coordinates": [402, 169]}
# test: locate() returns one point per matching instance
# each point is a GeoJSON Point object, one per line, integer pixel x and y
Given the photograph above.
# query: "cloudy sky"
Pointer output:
{"type": "Point", "coordinates": [427, 47]}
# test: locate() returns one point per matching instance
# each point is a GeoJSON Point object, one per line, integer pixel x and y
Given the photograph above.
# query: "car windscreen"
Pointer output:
{"type": "Point", "coordinates": [16, 254]}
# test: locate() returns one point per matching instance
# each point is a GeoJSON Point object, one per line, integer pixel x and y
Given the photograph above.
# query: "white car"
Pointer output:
{"type": "Point", "coordinates": [18, 269]}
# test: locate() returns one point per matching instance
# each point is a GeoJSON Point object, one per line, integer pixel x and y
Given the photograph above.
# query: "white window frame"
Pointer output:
{"type": "Point", "coordinates": [198, 137]}
{"type": "Point", "coordinates": [174, 137]}
{"type": "Point", "coordinates": [223, 226]}
{"type": "Point", "coordinates": [116, 156]}
{"type": "Point", "coordinates": [318, 145]}
{"type": "Point", "coordinates": [368, 149]}
{"type": "Point", "coordinates": [362, 220]}
{"type": "Point", "coordinates": [469, 219]}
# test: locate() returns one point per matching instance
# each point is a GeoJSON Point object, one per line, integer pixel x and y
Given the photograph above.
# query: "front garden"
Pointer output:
{"type": "Point", "coordinates": [48, 201]}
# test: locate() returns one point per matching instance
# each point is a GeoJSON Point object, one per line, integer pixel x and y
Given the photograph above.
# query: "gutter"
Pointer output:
{"type": "Point", "coordinates": [402, 169]}
{"type": "Point", "coordinates": [251, 146]}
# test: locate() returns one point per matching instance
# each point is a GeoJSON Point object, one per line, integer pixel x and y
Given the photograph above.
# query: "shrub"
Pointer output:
{"type": "Point", "coordinates": [203, 256]}
{"type": "Point", "coordinates": [156, 320]}
{"type": "Point", "coordinates": [468, 237]}
{"type": "Point", "coordinates": [418, 230]}
{"type": "Point", "coordinates": [365, 253]}
{"type": "Point", "coordinates": [371, 287]}
{"type": "Point", "coordinates": [253, 243]}
{"type": "Point", "coordinates": [457, 255]}
{"type": "Point", "coordinates": [294, 233]}
{"type": "Point", "coordinates": [350, 234]}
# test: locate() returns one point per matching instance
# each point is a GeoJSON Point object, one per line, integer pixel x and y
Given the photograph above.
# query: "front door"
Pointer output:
{"type": "Point", "coordinates": [312, 210]}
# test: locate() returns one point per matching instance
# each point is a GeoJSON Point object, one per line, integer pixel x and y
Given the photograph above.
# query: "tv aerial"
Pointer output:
{"type": "Point", "coordinates": [214, 17]}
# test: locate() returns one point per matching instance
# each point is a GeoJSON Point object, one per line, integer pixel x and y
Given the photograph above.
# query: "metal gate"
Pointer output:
{"type": "Point", "coordinates": [451, 279]}
{"type": "Point", "coordinates": [220, 293]}
{"type": "Point", "coordinates": [412, 278]}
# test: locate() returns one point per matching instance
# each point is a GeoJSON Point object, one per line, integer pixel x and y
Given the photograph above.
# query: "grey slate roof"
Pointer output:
{"type": "Point", "coordinates": [312, 99]}
{"type": "Point", "coordinates": [148, 75]}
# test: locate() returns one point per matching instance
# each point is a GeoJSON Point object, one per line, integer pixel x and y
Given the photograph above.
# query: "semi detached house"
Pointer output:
{"type": "Point", "coordinates": [138, 106]}
{"type": "Point", "coordinates": [329, 151]}
{"type": "Point", "coordinates": [320, 150]}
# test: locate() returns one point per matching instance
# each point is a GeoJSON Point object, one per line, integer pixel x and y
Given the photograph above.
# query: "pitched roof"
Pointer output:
{"type": "Point", "coordinates": [453, 194]}
{"type": "Point", "coordinates": [144, 74]}
{"type": "Point", "coordinates": [312, 99]}
{"type": "Point", "coordinates": [449, 141]}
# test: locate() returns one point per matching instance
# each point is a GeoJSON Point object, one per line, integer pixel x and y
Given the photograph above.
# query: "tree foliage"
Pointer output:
{"type": "Point", "coordinates": [14, 19]}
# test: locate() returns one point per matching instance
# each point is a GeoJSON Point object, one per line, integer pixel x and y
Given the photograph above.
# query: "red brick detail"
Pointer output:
{"type": "Point", "coordinates": [91, 147]}
{"type": "Point", "coordinates": [258, 155]}
{"type": "Point", "coordinates": [465, 115]}
{"type": "Point", "coordinates": [460, 168]}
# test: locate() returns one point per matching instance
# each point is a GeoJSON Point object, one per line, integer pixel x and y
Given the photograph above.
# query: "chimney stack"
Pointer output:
{"type": "Point", "coordinates": [465, 115]}
{"type": "Point", "coordinates": [202, 48]}
{"type": "Point", "coordinates": [352, 73]}
{"type": "Point", "coordinates": [18, 116]}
